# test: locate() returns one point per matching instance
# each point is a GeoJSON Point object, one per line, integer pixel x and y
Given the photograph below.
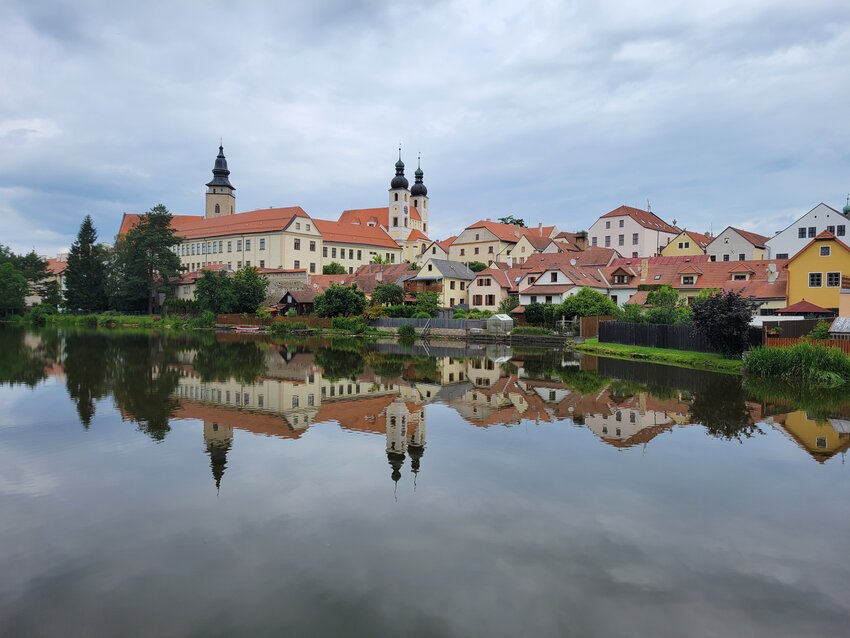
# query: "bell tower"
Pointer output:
{"type": "Point", "coordinates": [419, 195]}
{"type": "Point", "coordinates": [220, 192]}
{"type": "Point", "coordinates": [399, 204]}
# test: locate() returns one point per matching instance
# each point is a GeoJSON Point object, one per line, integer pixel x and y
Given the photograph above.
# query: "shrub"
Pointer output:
{"type": "Point", "coordinates": [530, 330]}
{"type": "Point", "coordinates": [421, 315]}
{"type": "Point", "coordinates": [281, 328]}
{"type": "Point", "coordinates": [37, 315]}
{"type": "Point", "coordinates": [406, 332]}
{"type": "Point", "coordinates": [587, 303]}
{"type": "Point", "coordinates": [355, 325]}
{"type": "Point", "coordinates": [805, 362]}
{"type": "Point", "coordinates": [206, 319]}
{"type": "Point", "coordinates": [724, 319]}
{"type": "Point", "coordinates": [264, 313]}
{"type": "Point", "coordinates": [427, 302]}
{"type": "Point", "coordinates": [88, 321]}
{"type": "Point", "coordinates": [370, 313]}
{"type": "Point", "coordinates": [180, 306]}
{"type": "Point", "coordinates": [400, 311]}
{"type": "Point", "coordinates": [476, 266]}
{"type": "Point", "coordinates": [507, 304]}
{"type": "Point", "coordinates": [340, 301]}
{"type": "Point", "coordinates": [459, 313]}
{"type": "Point", "coordinates": [820, 331]}
{"type": "Point", "coordinates": [534, 313]}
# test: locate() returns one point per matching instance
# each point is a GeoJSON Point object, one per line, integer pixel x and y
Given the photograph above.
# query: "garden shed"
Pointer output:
{"type": "Point", "coordinates": [840, 329]}
{"type": "Point", "coordinates": [500, 324]}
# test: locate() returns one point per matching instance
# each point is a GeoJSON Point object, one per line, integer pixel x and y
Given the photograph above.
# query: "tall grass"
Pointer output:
{"type": "Point", "coordinates": [803, 363]}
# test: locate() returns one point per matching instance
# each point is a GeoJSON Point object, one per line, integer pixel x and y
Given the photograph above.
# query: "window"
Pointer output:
{"type": "Point", "coordinates": [490, 300]}
{"type": "Point", "coordinates": [607, 241]}
{"type": "Point", "coordinates": [782, 255]}
{"type": "Point", "coordinates": [593, 241]}
{"type": "Point", "coordinates": [840, 229]}
{"type": "Point", "coordinates": [297, 225]}
{"type": "Point", "coordinates": [831, 229]}
{"type": "Point", "coordinates": [312, 246]}
{"type": "Point", "coordinates": [548, 298]}
{"type": "Point", "coordinates": [297, 243]}
{"type": "Point", "coordinates": [476, 250]}
{"type": "Point", "coordinates": [490, 250]}
{"type": "Point", "coordinates": [221, 246]}
{"type": "Point", "coordinates": [359, 255]}
{"type": "Point", "coordinates": [395, 199]}
{"type": "Point", "coordinates": [462, 252]}
{"type": "Point", "coordinates": [325, 252]}
{"type": "Point", "coordinates": [238, 245]}
{"type": "Point", "coordinates": [333, 253]}
{"type": "Point", "coordinates": [451, 285]}
{"type": "Point", "coordinates": [725, 257]}
{"type": "Point", "coordinates": [553, 277]}
{"type": "Point", "coordinates": [741, 256]}
{"type": "Point", "coordinates": [262, 244]}
{"type": "Point", "coordinates": [294, 400]}
{"type": "Point", "coordinates": [801, 233]}
{"type": "Point", "coordinates": [308, 226]}
{"type": "Point", "coordinates": [477, 236]}
{"type": "Point", "coordinates": [312, 266]}
{"type": "Point", "coordinates": [739, 277]}
{"type": "Point", "coordinates": [820, 442]}
{"type": "Point", "coordinates": [248, 264]}
{"type": "Point", "coordinates": [607, 224]}
{"type": "Point", "coordinates": [533, 298]}
{"type": "Point", "coordinates": [430, 267]}
{"type": "Point", "coordinates": [238, 265]}
{"type": "Point", "coordinates": [688, 280]}
{"type": "Point", "coordinates": [621, 279]}
{"type": "Point", "coordinates": [824, 251]}
{"type": "Point", "coordinates": [262, 263]}
{"type": "Point", "coordinates": [462, 285]}
{"type": "Point", "coordinates": [297, 264]}
{"type": "Point", "coordinates": [812, 231]}
{"type": "Point", "coordinates": [247, 244]}
{"type": "Point", "coordinates": [395, 219]}
{"type": "Point", "coordinates": [634, 239]}
{"type": "Point", "coordinates": [833, 279]}
{"type": "Point", "coordinates": [815, 280]}
{"type": "Point", "coordinates": [476, 300]}
{"type": "Point", "coordinates": [622, 223]}
{"type": "Point", "coordinates": [621, 240]}
{"type": "Point", "coordinates": [681, 244]}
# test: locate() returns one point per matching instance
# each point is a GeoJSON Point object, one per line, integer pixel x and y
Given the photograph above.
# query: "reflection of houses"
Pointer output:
{"type": "Point", "coordinates": [821, 439]}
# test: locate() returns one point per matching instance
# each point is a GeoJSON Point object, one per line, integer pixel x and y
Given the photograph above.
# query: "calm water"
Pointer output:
{"type": "Point", "coordinates": [183, 486]}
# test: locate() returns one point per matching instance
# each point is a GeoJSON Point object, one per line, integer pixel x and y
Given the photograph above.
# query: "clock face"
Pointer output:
{"type": "Point", "coordinates": [405, 209]}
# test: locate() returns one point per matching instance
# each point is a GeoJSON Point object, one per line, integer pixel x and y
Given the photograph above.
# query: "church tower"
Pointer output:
{"type": "Point", "coordinates": [419, 195]}
{"type": "Point", "coordinates": [218, 439]}
{"type": "Point", "coordinates": [399, 205]}
{"type": "Point", "coordinates": [220, 198]}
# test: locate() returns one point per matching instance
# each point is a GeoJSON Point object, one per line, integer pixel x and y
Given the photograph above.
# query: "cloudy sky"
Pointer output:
{"type": "Point", "coordinates": [728, 112]}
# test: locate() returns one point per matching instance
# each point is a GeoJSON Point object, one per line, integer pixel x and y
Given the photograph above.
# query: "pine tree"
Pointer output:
{"type": "Point", "coordinates": [85, 275]}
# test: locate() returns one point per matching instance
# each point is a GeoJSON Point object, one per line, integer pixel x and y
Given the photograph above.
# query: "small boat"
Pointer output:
{"type": "Point", "coordinates": [247, 328]}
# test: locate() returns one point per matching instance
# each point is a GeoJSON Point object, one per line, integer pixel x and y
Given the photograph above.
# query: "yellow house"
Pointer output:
{"type": "Point", "coordinates": [686, 243]}
{"type": "Point", "coordinates": [821, 439]}
{"type": "Point", "coordinates": [449, 279]}
{"type": "Point", "coordinates": [814, 273]}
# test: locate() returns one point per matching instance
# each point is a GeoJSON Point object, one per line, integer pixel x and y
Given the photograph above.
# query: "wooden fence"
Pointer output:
{"type": "Point", "coordinates": [590, 325]}
{"type": "Point", "coordinates": [787, 342]}
{"type": "Point", "coordinates": [250, 320]}
{"type": "Point", "coordinates": [654, 335]}
{"type": "Point", "coordinates": [791, 328]}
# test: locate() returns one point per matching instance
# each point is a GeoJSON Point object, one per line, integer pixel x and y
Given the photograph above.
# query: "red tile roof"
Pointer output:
{"type": "Point", "coordinates": [644, 218]}
{"type": "Point", "coordinates": [56, 266]}
{"type": "Point", "coordinates": [700, 239]}
{"type": "Point", "coordinates": [509, 232]}
{"type": "Point", "coordinates": [547, 289]}
{"type": "Point", "coordinates": [381, 216]}
{"type": "Point", "coordinates": [129, 220]}
{"type": "Point", "coordinates": [822, 236]}
{"type": "Point", "coordinates": [417, 235]}
{"type": "Point", "coordinates": [345, 233]}
{"type": "Point", "coordinates": [264, 220]}
{"type": "Point", "coordinates": [803, 307]}
{"type": "Point", "coordinates": [755, 239]}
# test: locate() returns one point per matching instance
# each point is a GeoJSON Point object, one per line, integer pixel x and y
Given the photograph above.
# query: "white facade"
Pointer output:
{"type": "Point", "coordinates": [732, 246]}
{"type": "Point", "coordinates": [628, 237]}
{"type": "Point", "coordinates": [793, 239]}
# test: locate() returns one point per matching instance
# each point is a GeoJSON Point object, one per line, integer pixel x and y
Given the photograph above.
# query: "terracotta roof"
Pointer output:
{"type": "Point", "coordinates": [755, 239]}
{"type": "Point", "coordinates": [661, 260]}
{"type": "Point", "coordinates": [509, 232]}
{"type": "Point", "coordinates": [824, 235]}
{"type": "Point", "coordinates": [381, 216]}
{"type": "Point", "coordinates": [591, 257]}
{"type": "Point", "coordinates": [56, 266]}
{"type": "Point", "coordinates": [273, 271]}
{"type": "Point", "coordinates": [345, 233]}
{"type": "Point", "coordinates": [700, 239]}
{"type": "Point", "coordinates": [639, 298]}
{"type": "Point", "coordinates": [505, 278]}
{"type": "Point", "coordinates": [417, 235]}
{"type": "Point", "coordinates": [547, 289]}
{"type": "Point", "coordinates": [321, 283]}
{"type": "Point", "coordinates": [803, 307]}
{"type": "Point", "coordinates": [263, 423]}
{"type": "Point", "coordinates": [193, 276]}
{"type": "Point", "coordinates": [129, 220]}
{"type": "Point", "coordinates": [644, 218]}
{"type": "Point", "coordinates": [255, 221]}
{"type": "Point", "coordinates": [445, 243]}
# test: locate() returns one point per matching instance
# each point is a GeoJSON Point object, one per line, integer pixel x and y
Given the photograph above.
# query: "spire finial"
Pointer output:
{"type": "Point", "coordinates": [399, 151]}
{"type": "Point", "coordinates": [419, 159]}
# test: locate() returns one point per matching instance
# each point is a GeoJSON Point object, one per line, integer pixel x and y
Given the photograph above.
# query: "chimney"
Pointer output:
{"type": "Point", "coordinates": [581, 240]}
{"type": "Point", "coordinates": [510, 261]}
{"type": "Point", "coordinates": [644, 269]}
{"type": "Point", "coordinates": [540, 228]}
{"type": "Point", "coordinates": [772, 273]}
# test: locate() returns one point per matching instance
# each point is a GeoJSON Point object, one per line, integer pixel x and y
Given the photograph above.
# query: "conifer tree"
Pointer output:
{"type": "Point", "coordinates": [85, 275]}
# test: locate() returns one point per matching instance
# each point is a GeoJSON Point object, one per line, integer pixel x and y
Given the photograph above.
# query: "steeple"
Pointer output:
{"type": "Point", "coordinates": [847, 206]}
{"type": "Point", "coordinates": [220, 197]}
{"type": "Point", "coordinates": [399, 181]}
{"type": "Point", "coordinates": [419, 188]}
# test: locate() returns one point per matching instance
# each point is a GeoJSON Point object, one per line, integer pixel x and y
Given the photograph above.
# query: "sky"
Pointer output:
{"type": "Point", "coordinates": [727, 112]}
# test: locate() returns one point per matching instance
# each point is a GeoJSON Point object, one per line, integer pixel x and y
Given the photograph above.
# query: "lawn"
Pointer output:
{"type": "Point", "coordinates": [681, 358]}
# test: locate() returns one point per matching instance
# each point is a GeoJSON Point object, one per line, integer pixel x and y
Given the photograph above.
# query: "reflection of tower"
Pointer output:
{"type": "Point", "coordinates": [218, 439]}
{"type": "Point", "coordinates": [396, 436]}
{"type": "Point", "coordinates": [416, 441]}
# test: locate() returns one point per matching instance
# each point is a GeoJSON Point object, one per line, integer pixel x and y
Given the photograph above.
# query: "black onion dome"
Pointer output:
{"type": "Point", "coordinates": [220, 172]}
{"type": "Point", "coordinates": [418, 187]}
{"type": "Point", "coordinates": [399, 181]}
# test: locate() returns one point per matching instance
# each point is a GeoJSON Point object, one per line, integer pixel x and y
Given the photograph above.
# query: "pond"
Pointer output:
{"type": "Point", "coordinates": [222, 485]}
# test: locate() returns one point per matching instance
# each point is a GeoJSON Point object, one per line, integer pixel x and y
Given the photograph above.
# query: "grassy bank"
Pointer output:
{"type": "Point", "coordinates": [110, 320]}
{"type": "Point", "coordinates": [681, 358]}
{"type": "Point", "coordinates": [808, 364]}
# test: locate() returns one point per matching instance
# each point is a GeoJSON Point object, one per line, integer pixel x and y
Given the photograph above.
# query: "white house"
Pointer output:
{"type": "Point", "coordinates": [553, 285]}
{"type": "Point", "coordinates": [632, 232]}
{"type": "Point", "coordinates": [787, 243]}
{"type": "Point", "coordinates": [734, 244]}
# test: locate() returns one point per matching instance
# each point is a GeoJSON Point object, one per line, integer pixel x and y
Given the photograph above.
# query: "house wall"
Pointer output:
{"type": "Point", "coordinates": [479, 288]}
{"type": "Point", "coordinates": [488, 246]}
{"type": "Point", "coordinates": [352, 256]}
{"type": "Point", "coordinates": [681, 245]}
{"type": "Point", "coordinates": [454, 292]}
{"type": "Point", "coordinates": [729, 246]}
{"type": "Point", "coordinates": [788, 242]}
{"type": "Point", "coordinates": [809, 260]}
{"type": "Point", "coordinates": [649, 242]}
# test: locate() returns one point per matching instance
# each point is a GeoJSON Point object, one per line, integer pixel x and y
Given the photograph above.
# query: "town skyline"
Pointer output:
{"type": "Point", "coordinates": [564, 114]}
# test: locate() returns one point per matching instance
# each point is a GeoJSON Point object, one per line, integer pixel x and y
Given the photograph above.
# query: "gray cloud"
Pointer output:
{"type": "Point", "coordinates": [728, 113]}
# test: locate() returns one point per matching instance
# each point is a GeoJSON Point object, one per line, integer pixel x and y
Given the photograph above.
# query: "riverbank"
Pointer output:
{"type": "Point", "coordinates": [680, 358]}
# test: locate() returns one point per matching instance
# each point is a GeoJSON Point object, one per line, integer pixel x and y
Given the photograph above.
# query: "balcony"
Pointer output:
{"type": "Point", "coordinates": [412, 286]}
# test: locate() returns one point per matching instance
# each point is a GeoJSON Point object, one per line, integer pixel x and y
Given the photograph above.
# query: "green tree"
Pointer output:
{"type": "Point", "coordinates": [250, 289]}
{"type": "Point", "coordinates": [13, 289]}
{"type": "Point", "coordinates": [724, 319]}
{"type": "Point", "coordinates": [476, 266]}
{"type": "Point", "coordinates": [85, 275]}
{"type": "Point", "coordinates": [588, 303]}
{"type": "Point", "coordinates": [377, 259]}
{"type": "Point", "coordinates": [388, 294]}
{"type": "Point", "coordinates": [427, 302]}
{"type": "Point", "coordinates": [51, 295]}
{"type": "Point", "coordinates": [214, 291]}
{"type": "Point", "coordinates": [145, 261]}
{"type": "Point", "coordinates": [340, 301]}
{"type": "Point", "coordinates": [333, 268]}
{"type": "Point", "coordinates": [666, 307]}
{"type": "Point", "coordinates": [535, 314]}
{"type": "Point", "coordinates": [510, 219]}
{"type": "Point", "coordinates": [508, 303]}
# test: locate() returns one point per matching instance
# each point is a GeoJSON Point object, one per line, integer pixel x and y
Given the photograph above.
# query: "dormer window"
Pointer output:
{"type": "Point", "coordinates": [553, 277]}
{"type": "Point", "coordinates": [621, 279]}
{"type": "Point", "coordinates": [689, 280]}
{"type": "Point", "coordinates": [739, 277]}
{"type": "Point", "coordinates": [430, 268]}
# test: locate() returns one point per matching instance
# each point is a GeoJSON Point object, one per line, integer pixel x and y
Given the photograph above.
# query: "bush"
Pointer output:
{"type": "Point", "coordinates": [724, 319]}
{"type": "Point", "coordinates": [507, 304]}
{"type": "Point", "coordinates": [354, 325]}
{"type": "Point", "coordinates": [587, 303]}
{"type": "Point", "coordinates": [291, 312]}
{"type": "Point", "coordinates": [38, 315]}
{"type": "Point", "coordinates": [459, 313]}
{"type": "Point", "coordinates": [820, 331]}
{"type": "Point", "coordinates": [421, 315]}
{"type": "Point", "coordinates": [370, 313]}
{"type": "Point", "coordinates": [180, 306]}
{"type": "Point", "coordinates": [340, 301]}
{"type": "Point", "coordinates": [400, 311]}
{"type": "Point", "coordinates": [535, 313]}
{"type": "Point", "coordinates": [204, 320]}
{"type": "Point", "coordinates": [281, 328]}
{"type": "Point", "coordinates": [530, 330]}
{"type": "Point", "coordinates": [406, 332]}
{"type": "Point", "coordinates": [88, 321]}
{"type": "Point", "coordinates": [805, 362]}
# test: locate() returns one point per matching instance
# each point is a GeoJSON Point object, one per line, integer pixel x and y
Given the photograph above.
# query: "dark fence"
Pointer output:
{"type": "Point", "coordinates": [654, 335]}
{"type": "Point", "coordinates": [792, 329]}
{"type": "Point", "coordinates": [435, 323]}
{"type": "Point", "coordinates": [590, 325]}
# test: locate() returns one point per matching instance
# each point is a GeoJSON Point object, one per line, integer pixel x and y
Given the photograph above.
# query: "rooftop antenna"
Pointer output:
{"type": "Point", "coordinates": [648, 206]}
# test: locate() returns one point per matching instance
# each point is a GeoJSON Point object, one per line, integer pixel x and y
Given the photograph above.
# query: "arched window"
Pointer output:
{"type": "Point", "coordinates": [217, 209]}
{"type": "Point", "coordinates": [396, 197]}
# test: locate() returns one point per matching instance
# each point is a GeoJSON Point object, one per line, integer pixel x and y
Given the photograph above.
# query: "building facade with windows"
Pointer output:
{"type": "Point", "coordinates": [488, 241]}
{"type": "Point", "coordinates": [814, 273]}
{"type": "Point", "coordinates": [735, 244]}
{"type": "Point", "coordinates": [788, 242]}
{"type": "Point", "coordinates": [632, 232]}
{"type": "Point", "coordinates": [687, 243]}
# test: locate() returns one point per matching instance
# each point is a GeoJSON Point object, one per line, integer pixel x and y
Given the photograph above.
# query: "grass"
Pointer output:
{"type": "Point", "coordinates": [110, 320]}
{"type": "Point", "coordinates": [803, 363]}
{"type": "Point", "coordinates": [680, 358]}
